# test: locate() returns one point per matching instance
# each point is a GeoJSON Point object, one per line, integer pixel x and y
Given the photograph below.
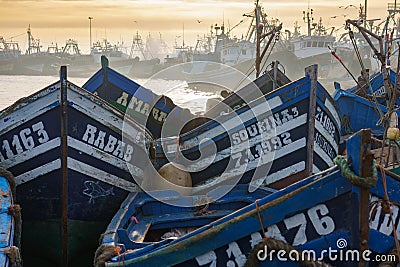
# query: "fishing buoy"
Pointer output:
{"type": "Point", "coordinates": [176, 174]}
{"type": "Point", "coordinates": [393, 133]}
{"type": "Point", "coordinates": [171, 176]}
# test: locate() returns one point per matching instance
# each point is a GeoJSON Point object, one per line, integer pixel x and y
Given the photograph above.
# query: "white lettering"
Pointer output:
{"type": "Point", "coordinates": [123, 99]}
{"type": "Point", "coordinates": [100, 140]}
{"type": "Point", "coordinates": [112, 141]}
{"type": "Point", "coordinates": [324, 225]}
{"type": "Point", "coordinates": [89, 134]}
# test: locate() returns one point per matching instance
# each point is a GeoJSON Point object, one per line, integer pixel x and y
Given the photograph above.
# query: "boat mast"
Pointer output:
{"type": "Point", "coordinates": [365, 14]}
{"type": "Point", "coordinates": [183, 34]}
{"type": "Point", "coordinates": [29, 39]}
{"type": "Point", "coordinates": [308, 18]}
{"type": "Point", "coordinates": [90, 34]}
{"type": "Point", "coordinates": [258, 40]}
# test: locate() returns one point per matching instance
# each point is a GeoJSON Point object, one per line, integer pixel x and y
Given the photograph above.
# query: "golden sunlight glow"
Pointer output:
{"type": "Point", "coordinates": [118, 21]}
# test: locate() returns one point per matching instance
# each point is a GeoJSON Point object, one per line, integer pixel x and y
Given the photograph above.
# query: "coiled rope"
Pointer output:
{"type": "Point", "coordinates": [14, 256]}
{"type": "Point", "coordinates": [364, 182]}
{"type": "Point", "coordinates": [14, 210]}
{"type": "Point", "coordinates": [389, 263]}
{"type": "Point", "coordinates": [104, 253]}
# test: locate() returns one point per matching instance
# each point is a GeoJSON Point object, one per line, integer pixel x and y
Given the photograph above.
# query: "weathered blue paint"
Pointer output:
{"type": "Point", "coordinates": [328, 190]}
{"type": "Point", "coordinates": [7, 223]}
{"type": "Point", "coordinates": [357, 112]}
{"type": "Point", "coordinates": [291, 100]}
{"type": "Point", "coordinates": [97, 157]}
{"type": "Point", "coordinates": [146, 107]}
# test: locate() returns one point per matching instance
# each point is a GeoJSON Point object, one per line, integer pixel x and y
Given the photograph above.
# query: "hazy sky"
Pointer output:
{"type": "Point", "coordinates": [58, 20]}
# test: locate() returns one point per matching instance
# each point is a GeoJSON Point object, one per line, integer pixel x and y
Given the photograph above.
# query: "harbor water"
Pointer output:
{"type": "Point", "coordinates": [14, 87]}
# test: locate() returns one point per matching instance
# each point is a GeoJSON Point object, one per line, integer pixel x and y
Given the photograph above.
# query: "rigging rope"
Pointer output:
{"type": "Point", "coordinates": [374, 102]}
{"type": "Point", "coordinates": [252, 67]}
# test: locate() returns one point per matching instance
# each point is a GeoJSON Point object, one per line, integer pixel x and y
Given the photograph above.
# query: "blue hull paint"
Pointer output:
{"type": "Point", "coordinates": [292, 100]}
{"type": "Point", "coordinates": [98, 178]}
{"type": "Point", "coordinates": [228, 239]}
{"type": "Point", "coordinates": [231, 237]}
{"type": "Point", "coordinates": [121, 92]}
{"type": "Point", "coordinates": [7, 222]}
{"type": "Point", "coordinates": [381, 231]}
{"type": "Point", "coordinates": [357, 112]}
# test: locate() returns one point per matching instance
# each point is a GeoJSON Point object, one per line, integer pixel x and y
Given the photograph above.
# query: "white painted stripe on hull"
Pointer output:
{"type": "Point", "coordinates": [333, 111]}
{"type": "Point", "coordinates": [103, 176]}
{"type": "Point", "coordinates": [28, 112]}
{"type": "Point", "coordinates": [290, 148]}
{"type": "Point", "coordinates": [29, 154]}
{"type": "Point", "coordinates": [322, 154]}
{"type": "Point", "coordinates": [229, 151]}
{"type": "Point", "coordinates": [104, 116]}
{"type": "Point", "coordinates": [39, 171]}
{"type": "Point", "coordinates": [328, 137]}
{"type": "Point", "coordinates": [296, 145]}
{"type": "Point", "coordinates": [315, 169]}
{"type": "Point", "coordinates": [262, 108]}
{"type": "Point", "coordinates": [103, 156]}
{"type": "Point", "coordinates": [281, 174]}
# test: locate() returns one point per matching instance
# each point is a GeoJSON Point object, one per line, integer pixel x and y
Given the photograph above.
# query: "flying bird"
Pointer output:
{"type": "Point", "coordinates": [199, 21]}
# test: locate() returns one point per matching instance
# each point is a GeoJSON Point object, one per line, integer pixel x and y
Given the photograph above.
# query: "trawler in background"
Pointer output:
{"type": "Point", "coordinates": [37, 62]}
{"type": "Point", "coordinates": [8, 52]}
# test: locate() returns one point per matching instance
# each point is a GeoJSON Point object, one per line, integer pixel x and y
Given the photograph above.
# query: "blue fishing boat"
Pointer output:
{"type": "Point", "coordinates": [275, 134]}
{"type": "Point", "coordinates": [10, 223]}
{"type": "Point", "coordinates": [72, 168]}
{"type": "Point", "coordinates": [358, 113]}
{"type": "Point", "coordinates": [375, 86]}
{"type": "Point", "coordinates": [382, 216]}
{"type": "Point", "coordinates": [364, 106]}
{"type": "Point", "coordinates": [313, 216]}
{"type": "Point", "coordinates": [146, 107]}
{"type": "Point", "coordinates": [371, 103]}
{"type": "Point", "coordinates": [271, 80]}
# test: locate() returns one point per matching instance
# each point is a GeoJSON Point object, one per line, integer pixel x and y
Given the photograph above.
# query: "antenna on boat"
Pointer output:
{"type": "Point", "coordinates": [365, 13]}
{"type": "Point", "coordinates": [183, 34]}
{"type": "Point", "coordinates": [90, 34]}
{"type": "Point", "coordinates": [308, 18]}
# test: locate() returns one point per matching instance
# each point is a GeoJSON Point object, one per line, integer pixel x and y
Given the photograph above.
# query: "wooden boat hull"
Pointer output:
{"type": "Point", "coordinates": [285, 115]}
{"type": "Point", "coordinates": [321, 213]}
{"type": "Point", "coordinates": [146, 107]}
{"type": "Point", "coordinates": [381, 237]}
{"type": "Point", "coordinates": [80, 172]}
{"type": "Point", "coordinates": [324, 207]}
{"type": "Point", "coordinates": [358, 113]}
{"type": "Point", "coordinates": [10, 235]}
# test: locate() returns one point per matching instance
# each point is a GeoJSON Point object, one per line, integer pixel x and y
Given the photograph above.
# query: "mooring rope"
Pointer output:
{"type": "Point", "coordinates": [389, 263]}
{"type": "Point", "coordinates": [104, 253]}
{"type": "Point", "coordinates": [15, 211]}
{"type": "Point", "coordinates": [14, 256]}
{"type": "Point", "coordinates": [365, 182]}
{"type": "Point", "coordinates": [11, 180]}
